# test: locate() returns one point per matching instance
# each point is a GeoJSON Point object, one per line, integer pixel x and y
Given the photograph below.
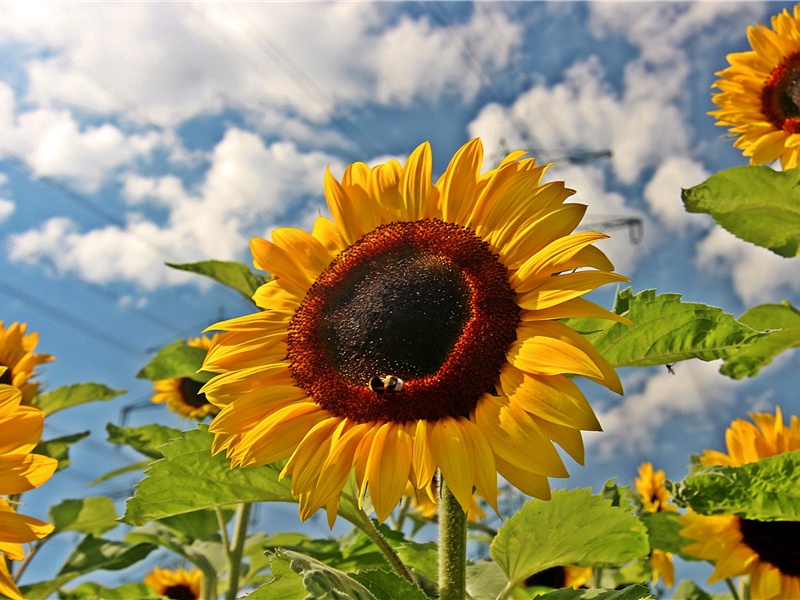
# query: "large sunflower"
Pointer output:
{"type": "Point", "coordinates": [417, 330]}
{"type": "Point", "coordinates": [766, 550]}
{"type": "Point", "coordinates": [20, 471]}
{"type": "Point", "coordinates": [17, 354]}
{"type": "Point", "coordinates": [178, 584]}
{"type": "Point", "coordinates": [760, 92]}
{"type": "Point", "coordinates": [182, 395]}
{"type": "Point", "coordinates": [655, 498]}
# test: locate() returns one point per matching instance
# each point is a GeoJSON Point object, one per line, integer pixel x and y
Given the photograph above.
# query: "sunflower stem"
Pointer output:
{"type": "Point", "coordinates": [452, 546]}
{"type": "Point", "coordinates": [368, 527]}
{"type": "Point", "coordinates": [732, 588]}
{"type": "Point", "coordinates": [236, 548]}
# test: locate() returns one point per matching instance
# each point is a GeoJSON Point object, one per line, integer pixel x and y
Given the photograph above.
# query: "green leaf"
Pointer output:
{"type": "Point", "coordinates": [285, 584]}
{"type": "Point", "coordinates": [146, 439]}
{"type": "Point", "coordinates": [126, 591]}
{"type": "Point", "coordinates": [93, 516]}
{"type": "Point", "coordinates": [96, 553]}
{"type": "Point", "coordinates": [73, 395]}
{"type": "Point", "coordinates": [663, 528]}
{"type": "Point", "coordinates": [632, 592]}
{"type": "Point", "coordinates": [573, 528]}
{"type": "Point", "coordinates": [386, 584]}
{"type": "Point", "coordinates": [766, 490]}
{"type": "Point", "coordinates": [756, 204]}
{"type": "Point", "coordinates": [58, 448]}
{"type": "Point", "coordinates": [137, 466]}
{"type": "Point", "coordinates": [44, 590]}
{"type": "Point", "coordinates": [689, 590]}
{"type": "Point", "coordinates": [485, 580]}
{"type": "Point", "coordinates": [235, 275]}
{"type": "Point", "coordinates": [665, 330]}
{"type": "Point", "coordinates": [782, 325]}
{"type": "Point", "coordinates": [189, 478]}
{"type": "Point", "coordinates": [324, 582]}
{"type": "Point", "coordinates": [176, 360]}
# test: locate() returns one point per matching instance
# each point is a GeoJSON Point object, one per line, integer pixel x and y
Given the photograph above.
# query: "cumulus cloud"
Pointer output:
{"type": "Point", "coordinates": [756, 274]}
{"type": "Point", "coordinates": [6, 209]}
{"type": "Point", "coordinates": [248, 188]}
{"type": "Point", "coordinates": [635, 424]}
{"type": "Point", "coordinates": [663, 193]}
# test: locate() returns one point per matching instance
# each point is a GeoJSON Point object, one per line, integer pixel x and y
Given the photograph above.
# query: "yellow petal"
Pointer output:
{"type": "Point", "coordinates": [455, 457]}
{"type": "Point", "coordinates": [275, 260]}
{"type": "Point", "coordinates": [416, 186]}
{"type": "Point", "coordinates": [458, 185]}
{"type": "Point", "coordinates": [527, 482]}
{"type": "Point", "coordinates": [22, 472]}
{"type": "Point", "coordinates": [388, 468]}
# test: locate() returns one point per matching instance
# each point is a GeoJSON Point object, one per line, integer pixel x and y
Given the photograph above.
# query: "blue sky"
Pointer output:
{"type": "Point", "coordinates": [134, 134]}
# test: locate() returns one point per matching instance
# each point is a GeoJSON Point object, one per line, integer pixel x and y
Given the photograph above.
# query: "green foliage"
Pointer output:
{"type": "Point", "coordinates": [93, 516]}
{"type": "Point", "coordinates": [58, 448]}
{"type": "Point", "coordinates": [386, 584]}
{"type": "Point", "coordinates": [766, 490]}
{"type": "Point", "coordinates": [665, 331]}
{"type": "Point", "coordinates": [235, 275]}
{"type": "Point", "coordinates": [573, 528]}
{"type": "Point", "coordinates": [97, 553]}
{"type": "Point", "coordinates": [632, 592]}
{"type": "Point", "coordinates": [189, 478]}
{"type": "Point", "coordinates": [72, 395]}
{"type": "Point", "coordinates": [146, 439]}
{"type": "Point", "coordinates": [285, 583]}
{"type": "Point", "coordinates": [663, 529]}
{"type": "Point", "coordinates": [92, 591]}
{"type": "Point", "coordinates": [485, 580]}
{"type": "Point", "coordinates": [756, 204]}
{"type": "Point", "coordinates": [177, 359]}
{"type": "Point", "coordinates": [689, 590]}
{"type": "Point", "coordinates": [782, 324]}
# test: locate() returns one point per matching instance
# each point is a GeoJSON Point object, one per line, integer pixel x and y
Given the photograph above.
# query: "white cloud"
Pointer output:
{"type": "Point", "coordinates": [6, 209]}
{"type": "Point", "coordinates": [756, 274]}
{"type": "Point", "coordinates": [635, 424]}
{"type": "Point", "coordinates": [663, 193]}
{"type": "Point", "coordinates": [249, 187]}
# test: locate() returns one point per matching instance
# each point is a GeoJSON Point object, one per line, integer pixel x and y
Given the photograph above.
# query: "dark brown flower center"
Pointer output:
{"type": "Point", "coordinates": [780, 97]}
{"type": "Point", "coordinates": [179, 592]}
{"type": "Point", "coordinates": [775, 542]}
{"type": "Point", "coordinates": [411, 322]}
{"type": "Point", "coordinates": [190, 393]}
{"type": "Point", "coordinates": [6, 378]}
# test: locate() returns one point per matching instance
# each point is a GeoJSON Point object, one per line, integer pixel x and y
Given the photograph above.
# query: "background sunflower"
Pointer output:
{"type": "Point", "coordinates": [177, 584]}
{"type": "Point", "coordinates": [18, 356]}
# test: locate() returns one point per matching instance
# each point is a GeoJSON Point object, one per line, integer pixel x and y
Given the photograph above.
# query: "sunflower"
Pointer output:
{"type": "Point", "coordinates": [760, 93]}
{"type": "Point", "coordinates": [20, 471]}
{"type": "Point", "coordinates": [426, 501]}
{"type": "Point", "coordinates": [182, 394]}
{"type": "Point", "coordinates": [417, 330]}
{"type": "Point", "coordinates": [16, 353]}
{"type": "Point", "coordinates": [179, 584]}
{"type": "Point", "coordinates": [561, 577]}
{"type": "Point", "coordinates": [766, 550]}
{"type": "Point", "coordinates": [655, 498]}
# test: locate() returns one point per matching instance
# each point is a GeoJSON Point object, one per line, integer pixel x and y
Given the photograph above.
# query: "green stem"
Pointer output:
{"type": "Point", "coordinates": [17, 574]}
{"type": "Point", "coordinates": [235, 550]}
{"type": "Point", "coordinates": [452, 546]}
{"type": "Point", "coordinates": [368, 527]}
{"type": "Point", "coordinates": [732, 588]}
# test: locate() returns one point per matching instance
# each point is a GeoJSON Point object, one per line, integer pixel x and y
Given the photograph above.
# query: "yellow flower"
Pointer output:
{"type": "Point", "coordinates": [181, 584]}
{"type": "Point", "coordinates": [561, 577]}
{"type": "Point", "coordinates": [20, 471]}
{"type": "Point", "coordinates": [766, 550]}
{"type": "Point", "coordinates": [655, 498]}
{"type": "Point", "coordinates": [760, 93]}
{"type": "Point", "coordinates": [426, 501]}
{"type": "Point", "coordinates": [182, 394]}
{"type": "Point", "coordinates": [417, 330]}
{"type": "Point", "coordinates": [16, 353]}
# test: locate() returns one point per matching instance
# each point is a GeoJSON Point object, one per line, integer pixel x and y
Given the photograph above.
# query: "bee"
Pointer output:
{"type": "Point", "coordinates": [386, 383]}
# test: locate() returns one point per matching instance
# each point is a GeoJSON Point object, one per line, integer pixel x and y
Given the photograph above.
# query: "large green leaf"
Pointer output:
{"type": "Point", "coordinates": [44, 590]}
{"type": "Point", "coordinates": [137, 466]}
{"type": "Point", "coordinates": [58, 448]}
{"type": "Point", "coordinates": [485, 580]}
{"type": "Point", "coordinates": [757, 204]}
{"type": "Point", "coordinates": [146, 439]}
{"type": "Point", "coordinates": [127, 591]}
{"type": "Point", "coordinates": [96, 553]}
{"type": "Point", "coordinates": [573, 528]}
{"type": "Point", "coordinates": [176, 360]}
{"type": "Point", "coordinates": [73, 395]}
{"type": "Point", "coordinates": [189, 478]}
{"type": "Point", "coordinates": [766, 490]}
{"type": "Point", "coordinates": [782, 324]}
{"type": "Point", "coordinates": [387, 584]}
{"type": "Point", "coordinates": [235, 275]}
{"type": "Point", "coordinates": [632, 592]}
{"type": "Point", "coordinates": [663, 528]}
{"type": "Point", "coordinates": [94, 515]}
{"type": "Point", "coordinates": [285, 584]}
{"type": "Point", "coordinates": [665, 330]}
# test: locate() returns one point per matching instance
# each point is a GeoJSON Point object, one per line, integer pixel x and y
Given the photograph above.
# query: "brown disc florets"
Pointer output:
{"type": "Point", "coordinates": [780, 96]}
{"type": "Point", "coordinates": [411, 322]}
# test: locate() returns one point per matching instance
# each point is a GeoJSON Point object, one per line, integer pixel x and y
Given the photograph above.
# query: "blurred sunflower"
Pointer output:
{"type": "Point", "coordinates": [760, 92]}
{"type": "Point", "coordinates": [417, 330]}
{"type": "Point", "coordinates": [766, 550]}
{"type": "Point", "coordinates": [20, 471]}
{"type": "Point", "coordinates": [178, 584]}
{"type": "Point", "coordinates": [655, 498]}
{"type": "Point", "coordinates": [16, 353]}
{"type": "Point", "coordinates": [182, 395]}
{"type": "Point", "coordinates": [561, 577]}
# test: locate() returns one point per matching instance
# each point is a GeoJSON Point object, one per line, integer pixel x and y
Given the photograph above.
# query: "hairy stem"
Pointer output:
{"type": "Point", "coordinates": [235, 549]}
{"type": "Point", "coordinates": [452, 546]}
